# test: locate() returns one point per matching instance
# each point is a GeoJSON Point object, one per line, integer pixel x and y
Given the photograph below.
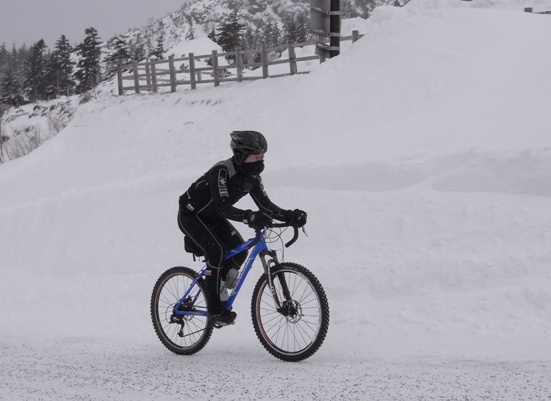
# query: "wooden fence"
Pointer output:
{"type": "Point", "coordinates": [531, 10]}
{"type": "Point", "coordinates": [213, 68]}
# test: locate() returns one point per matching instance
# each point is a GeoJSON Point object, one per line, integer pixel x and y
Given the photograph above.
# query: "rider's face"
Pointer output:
{"type": "Point", "coordinates": [254, 158]}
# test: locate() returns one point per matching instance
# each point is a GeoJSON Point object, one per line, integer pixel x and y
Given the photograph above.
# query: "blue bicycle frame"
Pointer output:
{"type": "Point", "coordinates": [256, 245]}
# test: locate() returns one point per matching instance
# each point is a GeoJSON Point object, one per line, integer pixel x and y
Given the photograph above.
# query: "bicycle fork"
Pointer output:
{"type": "Point", "coordinates": [269, 259]}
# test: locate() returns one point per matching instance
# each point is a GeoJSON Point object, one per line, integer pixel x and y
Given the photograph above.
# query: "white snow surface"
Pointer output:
{"type": "Point", "coordinates": [422, 155]}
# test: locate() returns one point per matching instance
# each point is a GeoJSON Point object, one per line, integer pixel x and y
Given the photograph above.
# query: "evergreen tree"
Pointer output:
{"type": "Point", "coordinates": [137, 51]}
{"type": "Point", "coordinates": [120, 55]}
{"type": "Point", "coordinates": [61, 68]}
{"type": "Point", "coordinates": [272, 34]}
{"type": "Point", "coordinates": [229, 35]}
{"type": "Point", "coordinates": [35, 83]}
{"type": "Point", "coordinates": [51, 87]}
{"type": "Point", "coordinates": [365, 9]}
{"type": "Point", "coordinates": [190, 35]}
{"type": "Point", "coordinates": [148, 45]}
{"type": "Point", "coordinates": [88, 67]}
{"type": "Point", "coordinates": [159, 51]}
{"type": "Point", "coordinates": [20, 56]}
{"type": "Point", "coordinates": [212, 35]}
{"type": "Point", "coordinates": [14, 61]}
{"type": "Point", "coordinates": [251, 40]}
{"type": "Point", "coordinates": [18, 60]}
{"type": "Point", "coordinates": [348, 9]}
{"type": "Point", "coordinates": [290, 29]}
{"type": "Point", "coordinates": [359, 8]}
{"type": "Point", "coordinates": [11, 90]}
{"type": "Point", "coordinates": [4, 55]}
{"type": "Point", "coordinates": [303, 27]}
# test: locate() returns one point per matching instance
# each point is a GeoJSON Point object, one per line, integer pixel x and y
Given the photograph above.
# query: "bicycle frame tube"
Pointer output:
{"type": "Point", "coordinates": [255, 250]}
{"type": "Point", "coordinates": [259, 246]}
{"type": "Point", "coordinates": [187, 293]}
{"type": "Point", "coordinates": [243, 247]}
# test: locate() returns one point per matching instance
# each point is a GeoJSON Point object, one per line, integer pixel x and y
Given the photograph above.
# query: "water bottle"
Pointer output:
{"type": "Point", "coordinates": [229, 284]}
{"type": "Point", "coordinates": [224, 293]}
{"type": "Point", "coordinates": [231, 278]}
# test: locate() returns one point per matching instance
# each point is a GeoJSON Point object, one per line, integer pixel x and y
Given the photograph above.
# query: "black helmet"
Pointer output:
{"type": "Point", "coordinates": [244, 143]}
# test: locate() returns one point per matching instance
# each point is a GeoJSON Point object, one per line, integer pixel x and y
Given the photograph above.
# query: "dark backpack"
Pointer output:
{"type": "Point", "coordinates": [191, 247]}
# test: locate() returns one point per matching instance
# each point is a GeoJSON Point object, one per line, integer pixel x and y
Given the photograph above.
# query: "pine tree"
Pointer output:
{"type": "Point", "coordinates": [120, 55]}
{"type": "Point", "coordinates": [159, 51]}
{"type": "Point", "coordinates": [229, 35]}
{"type": "Point", "coordinates": [272, 34]}
{"type": "Point", "coordinates": [190, 35]}
{"type": "Point", "coordinates": [290, 28]}
{"type": "Point", "coordinates": [51, 90]}
{"type": "Point", "coordinates": [251, 41]}
{"type": "Point", "coordinates": [35, 83]}
{"type": "Point", "coordinates": [303, 27]}
{"type": "Point", "coordinates": [88, 67]}
{"type": "Point", "coordinates": [148, 45]}
{"type": "Point", "coordinates": [61, 67]}
{"type": "Point", "coordinates": [18, 60]}
{"type": "Point", "coordinates": [348, 9]}
{"type": "Point", "coordinates": [11, 91]}
{"type": "Point", "coordinates": [4, 55]}
{"type": "Point", "coordinates": [137, 50]}
{"type": "Point", "coordinates": [212, 35]}
{"type": "Point", "coordinates": [365, 9]}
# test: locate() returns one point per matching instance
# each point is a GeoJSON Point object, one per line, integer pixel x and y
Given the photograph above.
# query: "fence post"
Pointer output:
{"type": "Point", "coordinates": [292, 59]}
{"type": "Point", "coordinates": [192, 71]}
{"type": "Point", "coordinates": [355, 36]}
{"type": "Point", "coordinates": [136, 78]}
{"type": "Point", "coordinates": [215, 72]}
{"type": "Point", "coordinates": [335, 28]}
{"type": "Point", "coordinates": [172, 73]}
{"type": "Point", "coordinates": [148, 76]}
{"type": "Point", "coordinates": [153, 77]}
{"type": "Point", "coordinates": [238, 64]}
{"type": "Point", "coordinates": [119, 79]}
{"type": "Point", "coordinates": [320, 51]}
{"type": "Point", "coordinates": [264, 58]}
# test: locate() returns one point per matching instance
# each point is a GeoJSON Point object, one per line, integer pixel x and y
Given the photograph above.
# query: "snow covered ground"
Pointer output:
{"type": "Point", "coordinates": [423, 157]}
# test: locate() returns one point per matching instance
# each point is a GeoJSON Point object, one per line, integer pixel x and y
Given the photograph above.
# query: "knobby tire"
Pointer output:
{"type": "Point", "coordinates": [195, 331]}
{"type": "Point", "coordinates": [297, 332]}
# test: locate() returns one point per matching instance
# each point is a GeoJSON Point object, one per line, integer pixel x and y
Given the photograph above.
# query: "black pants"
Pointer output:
{"type": "Point", "coordinates": [215, 237]}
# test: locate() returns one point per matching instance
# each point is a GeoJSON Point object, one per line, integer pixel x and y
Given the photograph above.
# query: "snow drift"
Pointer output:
{"type": "Point", "coordinates": [422, 155]}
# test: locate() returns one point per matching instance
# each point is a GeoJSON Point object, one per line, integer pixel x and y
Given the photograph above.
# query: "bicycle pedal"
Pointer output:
{"type": "Point", "coordinates": [219, 325]}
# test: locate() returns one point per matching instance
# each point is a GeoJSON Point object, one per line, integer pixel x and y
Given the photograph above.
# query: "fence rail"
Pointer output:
{"type": "Point", "coordinates": [214, 68]}
{"type": "Point", "coordinates": [531, 10]}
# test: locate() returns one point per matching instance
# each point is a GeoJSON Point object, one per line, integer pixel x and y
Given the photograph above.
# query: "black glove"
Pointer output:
{"type": "Point", "coordinates": [296, 217]}
{"type": "Point", "coordinates": [258, 220]}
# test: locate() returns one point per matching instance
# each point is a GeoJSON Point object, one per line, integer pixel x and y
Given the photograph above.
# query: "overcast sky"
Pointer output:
{"type": "Point", "coordinates": [28, 21]}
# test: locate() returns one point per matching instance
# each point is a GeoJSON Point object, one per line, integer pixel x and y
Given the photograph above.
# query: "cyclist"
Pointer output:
{"type": "Point", "coordinates": [207, 206]}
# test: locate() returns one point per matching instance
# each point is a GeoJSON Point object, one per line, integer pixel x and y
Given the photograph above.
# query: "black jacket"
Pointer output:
{"type": "Point", "coordinates": [213, 195]}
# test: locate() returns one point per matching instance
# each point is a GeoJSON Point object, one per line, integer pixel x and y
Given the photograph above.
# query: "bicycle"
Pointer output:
{"type": "Point", "coordinates": [289, 308]}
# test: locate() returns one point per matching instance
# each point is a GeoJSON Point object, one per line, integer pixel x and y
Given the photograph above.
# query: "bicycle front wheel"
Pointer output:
{"type": "Point", "coordinates": [181, 334]}
{"type": "Point", "coordinates": [296, 329]}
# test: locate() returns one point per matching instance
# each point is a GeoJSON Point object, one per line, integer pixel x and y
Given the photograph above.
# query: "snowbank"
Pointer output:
{"type": "Point", "coordinates": [423, 157]}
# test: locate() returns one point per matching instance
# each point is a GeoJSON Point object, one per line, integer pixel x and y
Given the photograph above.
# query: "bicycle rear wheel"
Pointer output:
{"type": "Point", "coordinates": [181, 334]}
{"type": "Point", "coordinates": [297, 329]}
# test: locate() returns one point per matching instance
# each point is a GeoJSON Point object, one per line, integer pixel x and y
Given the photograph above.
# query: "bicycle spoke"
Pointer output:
{"type": "Point", "coordinates": [180, 333]}
{"type": "Point", "coordinates": [295, 328]}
